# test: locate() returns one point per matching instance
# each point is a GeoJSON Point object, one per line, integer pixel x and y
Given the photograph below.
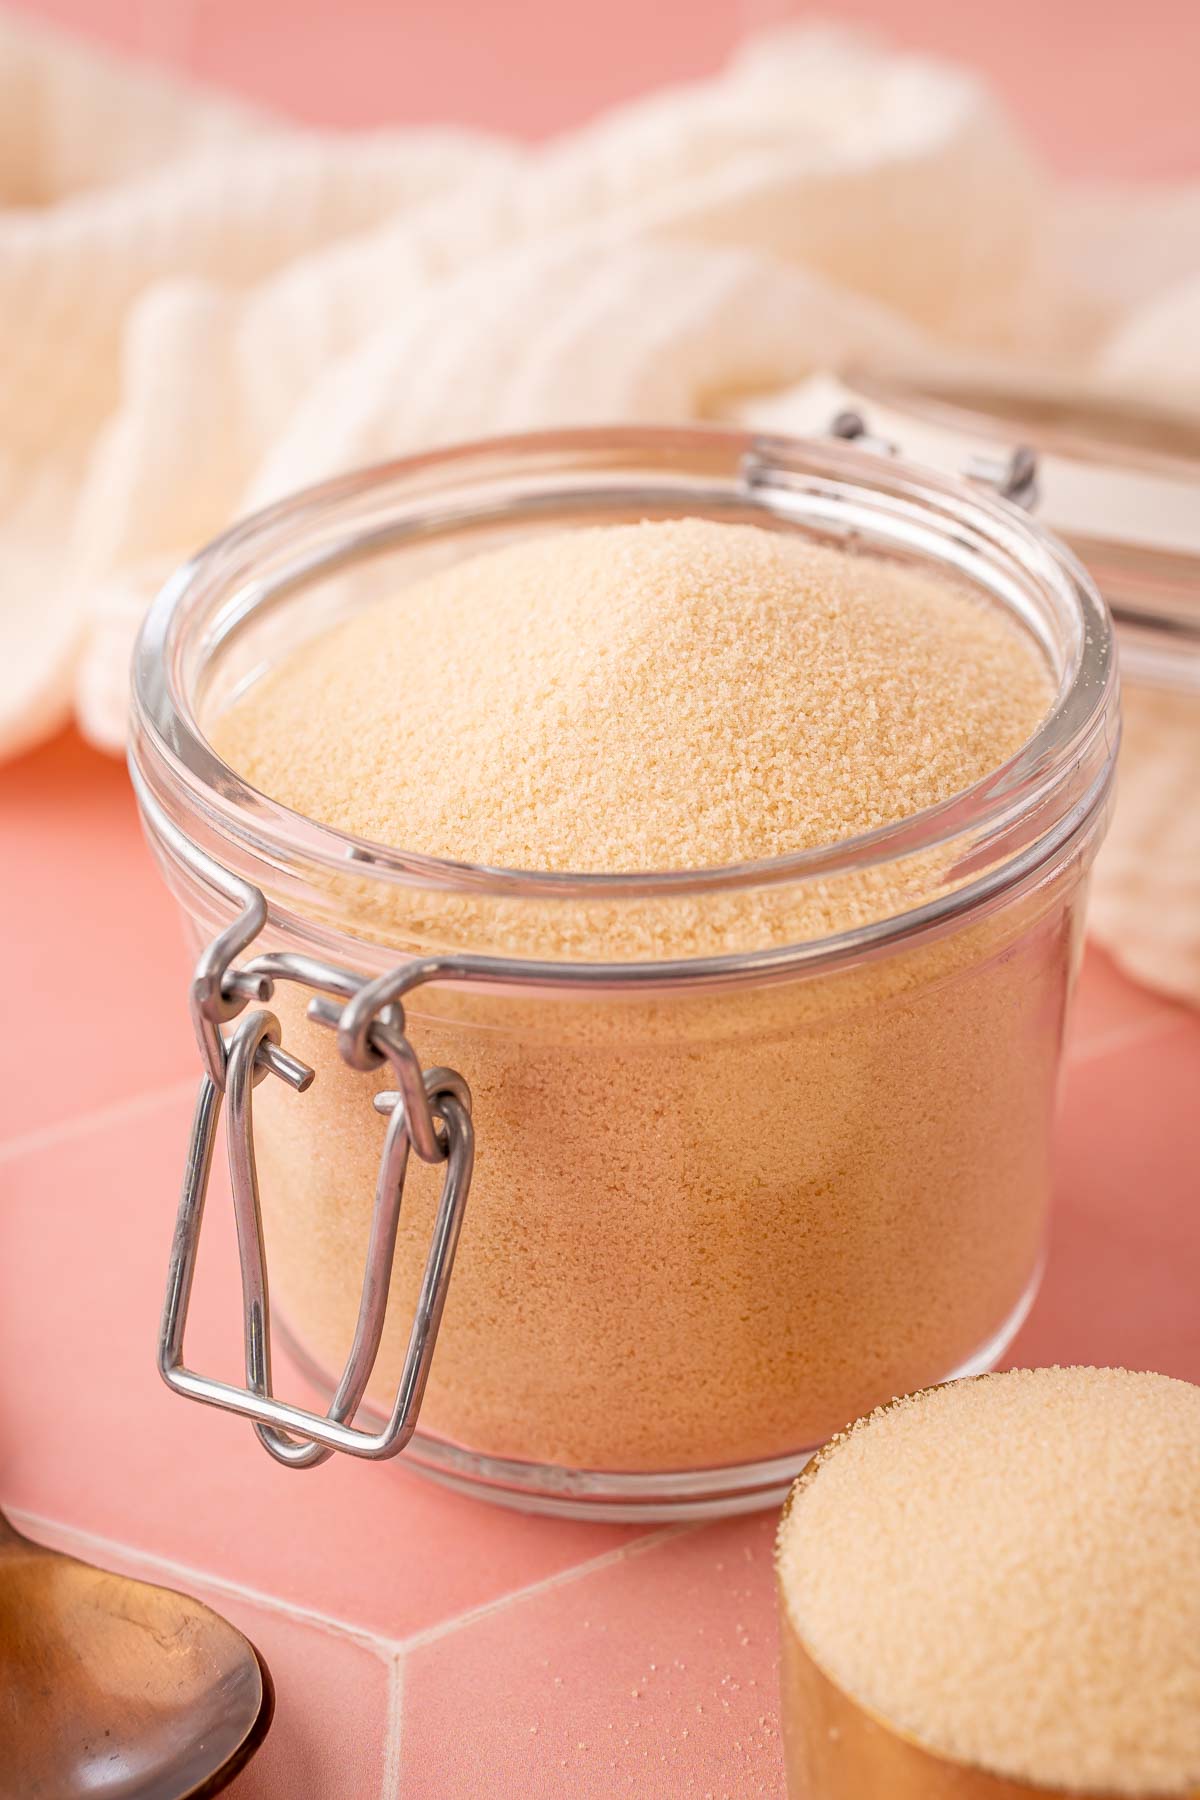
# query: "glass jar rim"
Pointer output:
{"type": "Point", "coordinates": [1150, 579]}
{"type": "Point", "coordinates": [1059, 776]}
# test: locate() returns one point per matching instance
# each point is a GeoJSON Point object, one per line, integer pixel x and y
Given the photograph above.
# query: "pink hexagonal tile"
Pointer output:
{"type": "Point", "coordinates": [1124, 1268]}
{"type": "Point", "coordinates": [93, 1437]}
{"type": "Point", "coordinates": [654, 1676]}
{"type": "Point", "coordinates": [99, 986]}
{"type": "Point", "coordinates": [1110, 1009]}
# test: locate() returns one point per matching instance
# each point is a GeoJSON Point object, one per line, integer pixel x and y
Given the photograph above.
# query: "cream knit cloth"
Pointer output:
{"type": "Point", "coordinates": [203, 308]}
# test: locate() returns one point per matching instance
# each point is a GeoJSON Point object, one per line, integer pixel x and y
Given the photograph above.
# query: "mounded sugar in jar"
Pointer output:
{"type": "Point", "coordinates": [704, 1228]}
{"type": "Point", "coordinates": [676, 695]}
{"type": "Point", "coordinates": [1008, 1571]}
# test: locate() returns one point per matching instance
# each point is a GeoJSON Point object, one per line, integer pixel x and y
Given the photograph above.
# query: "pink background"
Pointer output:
{"type": "Point", "coordinates": [1104, 89]}
{"type": "Point", "coordinates": [424, 1645]}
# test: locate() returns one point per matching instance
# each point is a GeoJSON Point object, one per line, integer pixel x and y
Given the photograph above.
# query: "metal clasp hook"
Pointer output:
{"type": "Point", "coordinates": [431, 1114]}
{"type": "Point", "coordinates": [1012, 475]}
{"type": "Point", "coordinates": [293, 1436]}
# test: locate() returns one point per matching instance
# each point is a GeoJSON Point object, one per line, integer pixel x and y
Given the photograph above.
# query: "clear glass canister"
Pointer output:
{"type": "Point", "coordinates": [1119, 481]}
{"type": "Point", "coordinates": [756, 1147]}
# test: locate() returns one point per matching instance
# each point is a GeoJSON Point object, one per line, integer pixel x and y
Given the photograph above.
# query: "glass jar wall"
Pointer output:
{"type": "Point", "coordinates": [757, 1147]}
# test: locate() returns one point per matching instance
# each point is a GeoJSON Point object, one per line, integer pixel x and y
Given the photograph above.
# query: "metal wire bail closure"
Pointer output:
{"type": "Point", "coordinates": [430, 1112]}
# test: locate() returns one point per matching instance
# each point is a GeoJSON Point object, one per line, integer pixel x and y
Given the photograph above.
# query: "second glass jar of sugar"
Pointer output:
{"type": "Point", "coordinates": [615, 1191]}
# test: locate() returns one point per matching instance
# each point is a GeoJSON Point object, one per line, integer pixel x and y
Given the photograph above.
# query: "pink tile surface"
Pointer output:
{"type": "Point", "coordinates": [653, 1676]}
{"type": "Point", "coordinates": [1110, 1011]}
{"type": "Point", "coordinates": [102, 958]}
{"type": "Point", "coordinates": [1124, 1271]}
{"type": "Point", "coordinates": [426, 1646]}
{"type": "Point", "coordinates": [85, 1230]}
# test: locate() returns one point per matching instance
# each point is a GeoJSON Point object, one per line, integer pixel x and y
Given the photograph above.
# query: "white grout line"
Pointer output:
{"type": "Point", "coordinates": [390, 1790]}
{"type": "Point", "coordinates": [105, 1547]}
{"type": "Point", "coordinates": [1123, 1037]}
{"type": "Point", "coordinates": [561, 1578]}
{"type": "Point", "coordinates": [79, 1125]}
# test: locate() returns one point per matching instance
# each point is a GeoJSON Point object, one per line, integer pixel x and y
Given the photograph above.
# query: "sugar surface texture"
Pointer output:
{"type": "Point", "coordinates": [666, 695]}
{"type": "Point", "coordinates": [1009, 1570]}
{"type": "Point", "coordinates": [704, 1228]}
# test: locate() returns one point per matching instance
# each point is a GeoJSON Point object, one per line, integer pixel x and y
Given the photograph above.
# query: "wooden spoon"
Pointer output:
{"type": "Point", "coordinates": [113, 1689]}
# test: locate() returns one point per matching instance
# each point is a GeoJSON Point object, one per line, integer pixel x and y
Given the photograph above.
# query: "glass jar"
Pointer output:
{"type": "Point", "coordinates": [1119, 482]}
{"type": "Point", "coordinates": [757, 1147]}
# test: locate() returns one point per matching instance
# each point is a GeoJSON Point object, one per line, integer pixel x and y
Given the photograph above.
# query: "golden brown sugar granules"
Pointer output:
{"type": "Point", "coordinates": [703, 1228]}
{"type": "Point", "coordinates": [1008, 1571]}
{"type": "Point", "coordinates": [676, 695]}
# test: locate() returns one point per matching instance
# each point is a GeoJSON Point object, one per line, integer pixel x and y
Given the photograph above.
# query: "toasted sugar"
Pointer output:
{"type": "Point", "coordinates": [667, 695]}
{"type": "Point", "coordinates": [702, 1229]}
{"type": "Point", "coordinates": [1008, 1570]}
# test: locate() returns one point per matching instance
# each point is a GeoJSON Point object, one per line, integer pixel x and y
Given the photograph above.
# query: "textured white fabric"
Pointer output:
{"type": "Point", "coordinates": [203, 307]}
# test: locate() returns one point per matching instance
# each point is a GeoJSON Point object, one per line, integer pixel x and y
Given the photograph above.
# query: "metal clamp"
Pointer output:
{"type": "Point", "coordinates": [430, 1112]}
{"type": "Point", "coordinates": [1011, 475]}
{"type": "Point", "coordinates": [852, 428]}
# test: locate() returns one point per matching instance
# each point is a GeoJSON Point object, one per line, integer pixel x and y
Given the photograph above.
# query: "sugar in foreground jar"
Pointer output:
{"type": "Point", "coordinates": [738, 1147]}
{"type": "Point", "coordinates": [991, 1591]}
